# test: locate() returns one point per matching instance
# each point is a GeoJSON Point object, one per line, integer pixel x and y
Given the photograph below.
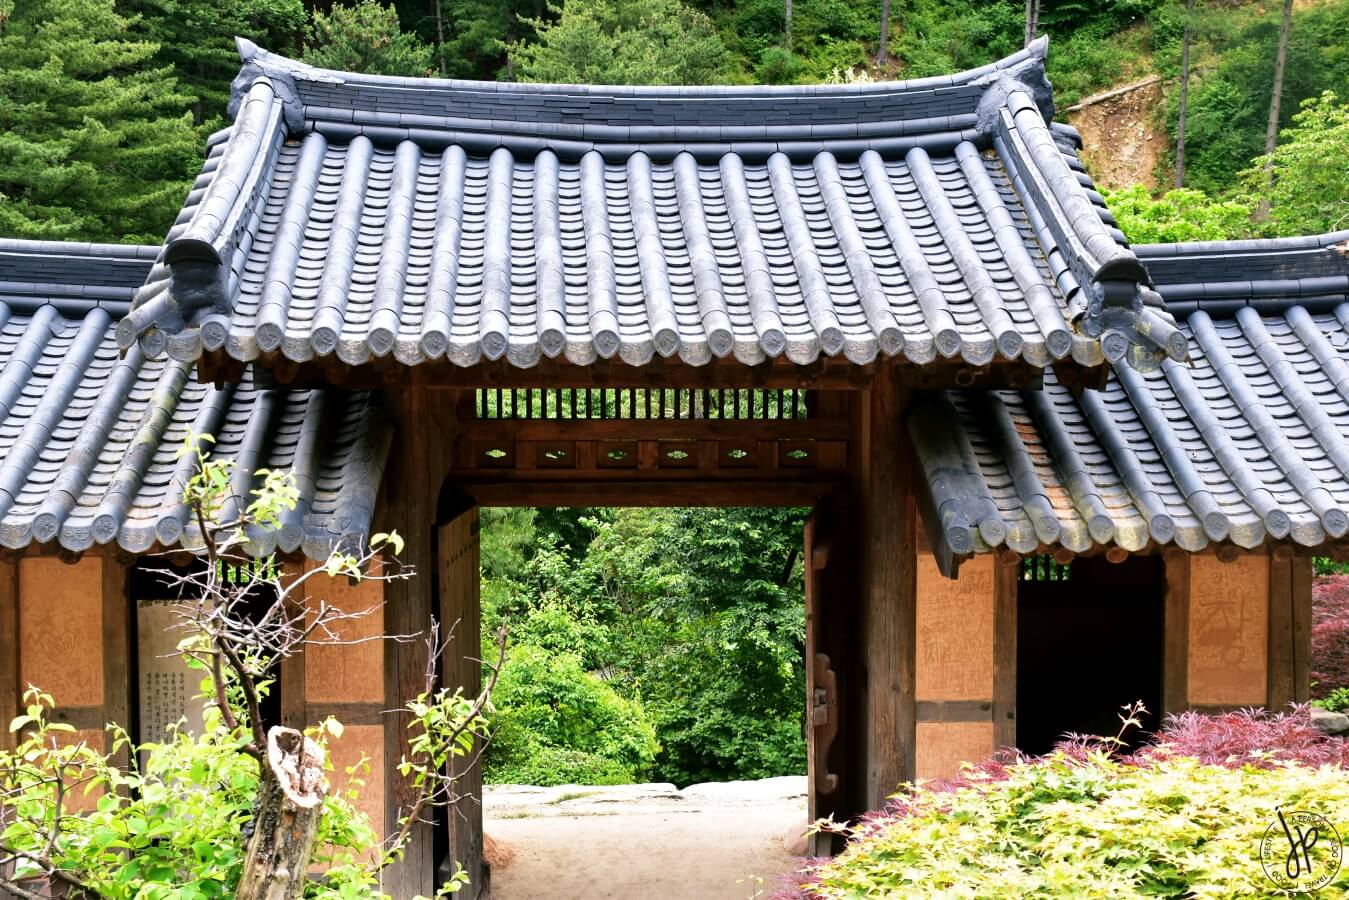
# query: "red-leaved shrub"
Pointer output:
{"type": "Point", "coordinates": [1246, 737]}
{"type": "Point", "coordinates": [1330, 634]}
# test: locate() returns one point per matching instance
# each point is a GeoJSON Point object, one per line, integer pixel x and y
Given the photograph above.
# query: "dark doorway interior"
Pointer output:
{"type": "Point", "coordinates": [1089, 641]}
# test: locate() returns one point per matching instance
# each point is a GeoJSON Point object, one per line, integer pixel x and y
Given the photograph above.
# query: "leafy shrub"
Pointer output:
{"type": "Point", "coordinates": [168, 828]}
{"type": "Point", "coordinates": [1335, 701]}
{"type": "Point", "coordinates": [1330, 635]}
{"type": "Point", "coordinates": [1179, 819]}
{"type": "Point", "coordinates": [1309, 191]}
{"type": "Point", "coordinates": [553, 715]}
{"type": "Point", "coordinates": [1178, 215]}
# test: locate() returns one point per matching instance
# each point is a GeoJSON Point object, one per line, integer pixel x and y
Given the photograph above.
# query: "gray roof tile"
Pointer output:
{"type": "Point", "coordinates": [365, 216]}
{"type": "Point", "coordinates": [89, 437]}
{"type": "Point", "coordinates": [1250, 442]}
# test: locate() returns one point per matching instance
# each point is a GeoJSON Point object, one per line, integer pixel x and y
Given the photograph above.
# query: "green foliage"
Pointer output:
{"type": "Point", "coordinates": [623, 42]}
{"type": "Point", "coordinates": [167, 827]}
{"type": "Point", "coordinates": [95, 141]}
{"type": "Point", "coordinates": [1309, 192]}
{"type": "Point", "coordinates": [692, 616]}
{"type": "Point", "coordinates": [196, 40]}
{"type": "Point", "coordinates": [1335, 701]}
{"type": "Point", "coordinates": [1088, 827]}
{"type": "Point", "coordinates": [365, 37]}
{"type": "Point", "coordinates": [1183, 214]}
{"type": "Point", "coordinates": [1229, 99]}
{"type": "Point", "coordinates": [556, 723]}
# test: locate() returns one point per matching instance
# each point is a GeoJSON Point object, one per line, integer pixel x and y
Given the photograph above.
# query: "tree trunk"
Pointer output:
{"type": "Point", "coordinates": [1184, 95]}
{"type": "Point", "coordinates": [787, 18]}
{"type": "Point", "coordinates": [1272, 128]}
{"type": "Point", "coordinates": [290, 803]}
{"type": "Point", "coordinates": [440, 36]}
{"type": "Point", "coordinates": [1032, 21]}
{"type": "Point", "coordinates": [1276, 95]}
{"type": "Point", "coordinates": [885, 33]}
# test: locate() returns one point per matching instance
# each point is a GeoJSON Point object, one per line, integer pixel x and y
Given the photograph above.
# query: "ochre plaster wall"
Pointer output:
{"type": "Point", "coordinates": [61, 629]}
{"type": "Point", "coordinates": [954, 662]}
{"type": "Point", "coordinates": [1229, 630]}
{"type": "Point", "coordinates": [955, 631]}
{"type": "Point", "coordinates": [346, 672]}
{"type": "Point", "coordinates": [943, 746]}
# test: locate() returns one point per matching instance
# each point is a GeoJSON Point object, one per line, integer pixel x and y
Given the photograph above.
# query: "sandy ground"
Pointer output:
{"type": "Point", "coordinates": [706, 842]}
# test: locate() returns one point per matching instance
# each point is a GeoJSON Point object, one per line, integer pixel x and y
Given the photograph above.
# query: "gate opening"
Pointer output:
{"type": "Point", "coordinates": [1083, 654]}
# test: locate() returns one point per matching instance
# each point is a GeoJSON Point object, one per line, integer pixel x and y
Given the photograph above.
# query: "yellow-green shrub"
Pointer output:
{"type": "Point", "coordinates": [1086, 826]}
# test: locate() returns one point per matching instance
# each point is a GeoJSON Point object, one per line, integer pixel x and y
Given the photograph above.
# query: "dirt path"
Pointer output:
{"type": "Point", "coordinates": [707, 842]}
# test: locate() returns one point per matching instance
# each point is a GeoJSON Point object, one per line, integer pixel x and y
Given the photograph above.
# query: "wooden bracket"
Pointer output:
{"type": "Point", "coordinates": [824, 722]}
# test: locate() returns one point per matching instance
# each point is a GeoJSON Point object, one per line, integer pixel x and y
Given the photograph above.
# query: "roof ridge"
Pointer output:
{"type": "Point", "coordinates": [661, 120]}
{"type": "Point", "coordinates": [1271, 275]}
{"type": "Point", "coordinates": [75, 278]}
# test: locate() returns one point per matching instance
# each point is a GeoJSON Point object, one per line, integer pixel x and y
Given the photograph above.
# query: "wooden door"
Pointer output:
{"type": "Point", "coordinates": [822, 708]}
{"type": "Point", "coordinates": [461, 618]}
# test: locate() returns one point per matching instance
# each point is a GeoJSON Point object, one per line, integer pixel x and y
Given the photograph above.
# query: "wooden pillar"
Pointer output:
{"type": "Point", "coordinates": [117, 615]}
{"type": "Point", "coordinates": [408, 506]}
{"type": "Point", "coordinates": [1006, 581]}
{"type": "Point", "coordinates": [460, 578]}
{"type": "Point", "coordinates": [1302, 627]}
{"type": "Point", "coordinates": [1176, 633]}
{"type": "Point", "coordinates": [10, 689]}
{"type": "Point", "coordinates": [889, 588]}
{"type": "Point", "coordinates": [1281, 655]}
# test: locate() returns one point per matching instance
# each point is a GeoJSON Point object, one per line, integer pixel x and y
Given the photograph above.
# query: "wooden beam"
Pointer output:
{"type": "Point", "coordinates": [637, 492]}
{"type": "Point", "coordinates": [653, 429]}
{"type": "Point", "coordinates": [889, 591]}
{"type": "Point", "coordinates": [1006, 583]}
{"type": "Point", "coordinates": [954, 710]}
{"type": "Point", "coordinates": [1303, 576]}
{"type": "Point", "coordinates": [10, 690]}
{"type": "Point", "coordinates": [408, 505]}
{"type": "Point", "coordinates": [290, 681]}
{"type": "Point", "coordinates": [1280, 654]}
{"type": "Point", "coordinates": [459, 578]}
{"type": "Point", "coordinates": [1176, 632]}
{"type": "Point", "coordinates": [118, 611]}
{"type": "Point", "coordinates": [826, 373]}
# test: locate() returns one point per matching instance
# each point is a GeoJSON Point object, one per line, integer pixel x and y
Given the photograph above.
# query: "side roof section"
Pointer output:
{"type": "Point", "coordinates": [1248, 444]}
{"type": "Point", "coordinates": [423, 219]}
{"type": "Point", "coordinates": [89, 437]}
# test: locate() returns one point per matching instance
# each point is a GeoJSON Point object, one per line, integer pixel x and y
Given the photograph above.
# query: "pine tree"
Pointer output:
{"type": "Point", "coordinates": [365, 37]}
{"type": "Point", "coordinates": [95, 143]}
{"type": "Point", "coordinates": [624, 42]}
{"type": "Point", "coordinates": [196, 38]}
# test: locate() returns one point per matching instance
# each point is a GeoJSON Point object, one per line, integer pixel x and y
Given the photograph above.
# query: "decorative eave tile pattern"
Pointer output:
{"type": "Point", "coordinates": [365, 216]}
{"type": "Point", "coordinates": [89, 437]}
{"type": "Point", "coordinates": [1248, 443]}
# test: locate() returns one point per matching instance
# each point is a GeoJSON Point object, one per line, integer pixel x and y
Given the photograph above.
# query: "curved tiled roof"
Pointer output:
{"type": "Point", "coordinates": [365, 216]}
{"type": "Point", "coordinates": [1249, 443]}
{"type": "Point", "coordinates": [89, 437]}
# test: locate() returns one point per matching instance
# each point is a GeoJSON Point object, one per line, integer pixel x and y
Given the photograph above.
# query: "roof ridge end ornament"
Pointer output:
{"type": "Point", "coordinates": [281, 72]}
{"type": "Point", "coordinates": [1028, 77]}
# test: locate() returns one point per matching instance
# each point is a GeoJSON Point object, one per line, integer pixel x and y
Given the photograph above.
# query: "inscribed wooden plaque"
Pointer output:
{"type": "Point", "coordinates": [1229, 621]}
{"type": "Point", "coordinates": [346, 672]}
{"type": "Point", "coordinates": [943, 746]}
{"type": "Point", "coordinates": [955, 631]}
{"type": "Point", "coordinates": [169, 690]}
{"type": "Point", "coordinates": [61, 629]}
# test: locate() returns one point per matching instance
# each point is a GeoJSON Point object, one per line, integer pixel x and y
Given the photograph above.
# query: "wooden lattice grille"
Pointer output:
{"type": "Point", "coordinates": [640, 403]}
